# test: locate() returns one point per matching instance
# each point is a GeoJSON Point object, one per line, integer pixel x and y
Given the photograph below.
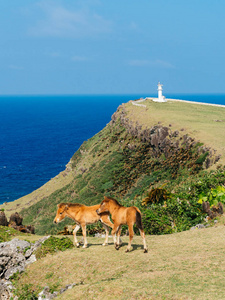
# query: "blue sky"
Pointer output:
{"type": "Point", "coordinates": [111, 47]}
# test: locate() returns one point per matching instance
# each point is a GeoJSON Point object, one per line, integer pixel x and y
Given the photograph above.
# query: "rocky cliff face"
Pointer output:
{"type": "Point", "coordinates": [163, 140]}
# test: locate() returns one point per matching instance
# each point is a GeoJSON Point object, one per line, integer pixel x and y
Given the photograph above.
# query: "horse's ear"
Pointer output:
{"type": "Point", "coordinates": [66, 206]}
{"type": "Point", "coordinates": [58, 205]}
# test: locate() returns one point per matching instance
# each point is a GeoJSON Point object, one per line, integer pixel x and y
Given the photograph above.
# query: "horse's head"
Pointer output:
{"type": "Point", "coordinates": [104, 206]}
{"type": "Point", "coordinates": [61, 212]}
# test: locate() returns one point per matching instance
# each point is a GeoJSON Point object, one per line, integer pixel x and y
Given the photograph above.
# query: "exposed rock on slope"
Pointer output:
{"type": "Point", "coordinates": [163, 140]}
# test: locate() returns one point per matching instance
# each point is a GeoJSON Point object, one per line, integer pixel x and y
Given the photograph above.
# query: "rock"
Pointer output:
{"type": "Point", "coordinates": [46, 295]}
{"type": "Point", "coordinates": [30, 229]}
{"type": "Point", "coordinates": [16, 245]}
{"type": "Point", "coordinates": [38, 243]}
{"type": "Point", "coordinates": [6, 288]}
{"type": "Point", "coordinates": [31, 259]}
{"type": "Point", "coordinates": [198, 226]}
{"type": "Point", "coordinates": [11, 271]}
{"type": "Point", "coordinates": [3, 219]}
{"type": "Point", "coordinates": [214, 212]}
{"type": "Point", "coordinates": [14, 257]}
{"type": "Point", "coordinates": [16, 218]}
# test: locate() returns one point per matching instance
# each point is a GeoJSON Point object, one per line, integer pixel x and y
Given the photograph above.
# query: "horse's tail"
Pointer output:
{"type": "Point", "coordinates": [138, 219]}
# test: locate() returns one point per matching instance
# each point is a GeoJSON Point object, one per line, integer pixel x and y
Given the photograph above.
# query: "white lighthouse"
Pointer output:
{"type": "Point", "coordinates": [160, 98]}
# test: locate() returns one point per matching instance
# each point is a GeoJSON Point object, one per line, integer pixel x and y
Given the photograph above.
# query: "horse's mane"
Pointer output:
{"type": "Point", "coordinates": [71, 204]}
{"type": "Point", "coordinates": [107, 199]}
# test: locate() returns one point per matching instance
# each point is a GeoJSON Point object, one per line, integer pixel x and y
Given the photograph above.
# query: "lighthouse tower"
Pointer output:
{"type": "Point", "coordinates": [160, 98]}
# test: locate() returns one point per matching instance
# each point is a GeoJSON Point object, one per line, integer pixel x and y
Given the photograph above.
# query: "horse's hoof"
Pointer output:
{"type": "Point", "coordinates": [77, 245]}
{"type": "Point", "coordinates": [85, 246]}
{"type": "Point", "coordinates": [145, 250]}
{"type": "Point", "coordinates": [127, 250]}
{"type": "Point", "coordinates": [117, 247]}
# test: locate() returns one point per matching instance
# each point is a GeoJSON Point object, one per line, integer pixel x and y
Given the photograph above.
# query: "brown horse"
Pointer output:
{"type": "Point", "coordinates": [83, 215]}
{"type": "Point", "coordinates": [122, 216]}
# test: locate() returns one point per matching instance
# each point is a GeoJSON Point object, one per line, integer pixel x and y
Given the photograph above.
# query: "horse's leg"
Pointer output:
{"type": "Point", "coordinates": [107, 224]}
{"type": "Point", "coordinates": [118, 237]}
{"type": "Point", "coordinates": [106, 220]}
{"type": "Point", "coordinates": [114, 231]}
{"type": "Point", "coordinates": [74, 235]}
{"type": "Point", "coordinates": [84, 235]}
{"type": "Point", "coordinates": [106, 234]}
{"type": "Point", "coordinates": [144, 241]}
{"type": "Point", "coordinates": [131, 235]}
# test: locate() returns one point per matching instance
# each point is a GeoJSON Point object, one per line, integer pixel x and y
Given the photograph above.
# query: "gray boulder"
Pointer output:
{"type": "Point", "coordinates": [16, 255]}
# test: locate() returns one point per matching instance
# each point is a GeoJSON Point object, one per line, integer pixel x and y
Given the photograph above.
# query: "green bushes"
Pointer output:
{"type": "Point", "coordinates": [53, 244]}
{"type": "Point", "coordinates": [174, 216]}
{"type": "Point", "coordinates": [183, 209]}
{"type": "Point", "coordinates": [214, 196]}
{"type": "Point", "coordinates": [156, 221]}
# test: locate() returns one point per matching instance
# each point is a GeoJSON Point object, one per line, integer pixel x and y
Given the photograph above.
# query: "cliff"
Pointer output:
{"type": "Point", "coordinates": [141, 148]}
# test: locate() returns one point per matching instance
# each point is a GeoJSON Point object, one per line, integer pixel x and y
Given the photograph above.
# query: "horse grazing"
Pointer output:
{"type": "Point", "coordinates": [83, 215]}
{"type": "Point", "coordinates": [122, 216]}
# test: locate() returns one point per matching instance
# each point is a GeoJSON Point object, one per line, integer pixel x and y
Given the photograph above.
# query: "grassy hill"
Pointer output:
{"type": "Point", "coordinates": [140, 149]}
{"type": "Point", "coordinates": [186, 265]}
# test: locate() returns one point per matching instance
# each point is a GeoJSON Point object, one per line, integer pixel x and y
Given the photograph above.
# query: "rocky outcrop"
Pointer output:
{"type": "Point", "coordinates": [3, 219]}
{"type": "Point", "coordinates": [165, 141]}
{"type": "Point", "coordinates": [15, 222]}
{"type": "Point", "coordinates": [16, 218]}
{"type": "Point", "coordinates": [213, 211]}
{"type": "Point", "coordinates": [16, 255]}
{"type": "Point", "coordinates": [6, 290]}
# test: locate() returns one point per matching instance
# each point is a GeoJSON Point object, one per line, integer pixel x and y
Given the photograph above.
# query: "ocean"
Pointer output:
{"type": "Point", "coordinates": [39, 134]}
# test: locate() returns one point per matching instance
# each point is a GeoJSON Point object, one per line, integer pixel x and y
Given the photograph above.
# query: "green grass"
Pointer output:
{"type": "Point", "coordinates": [8, 233]}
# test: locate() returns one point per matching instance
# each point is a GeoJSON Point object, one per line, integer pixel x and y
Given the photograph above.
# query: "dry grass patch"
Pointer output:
{"type": "Point", "coordinates": [187, 265]}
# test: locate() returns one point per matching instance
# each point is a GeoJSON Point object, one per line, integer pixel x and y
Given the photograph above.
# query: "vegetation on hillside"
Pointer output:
{"type": "Point", "coordinates": [161, 171]}
{"type": "Point", "coordinates": [123, 163]}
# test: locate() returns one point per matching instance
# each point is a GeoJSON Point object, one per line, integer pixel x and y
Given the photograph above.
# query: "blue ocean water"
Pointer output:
{"type": "Point", "coordinates": [39, 134]}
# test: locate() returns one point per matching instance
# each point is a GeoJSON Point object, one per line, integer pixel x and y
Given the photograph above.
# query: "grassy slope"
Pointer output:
{"type": "Point", "coordinates": [100, 161]}
{"type": "Point", "coordinates": [187, 265]}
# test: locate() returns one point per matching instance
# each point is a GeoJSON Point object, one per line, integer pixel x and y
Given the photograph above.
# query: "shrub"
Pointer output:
{"type": "Point", "coordinates": [156, 195]}
{"type": "Point", "coordinates": [53, 244]}
{"type": "Point", "coordinates": [155, 221]}
{"type": "Point", "coordinates": [214, 196]}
